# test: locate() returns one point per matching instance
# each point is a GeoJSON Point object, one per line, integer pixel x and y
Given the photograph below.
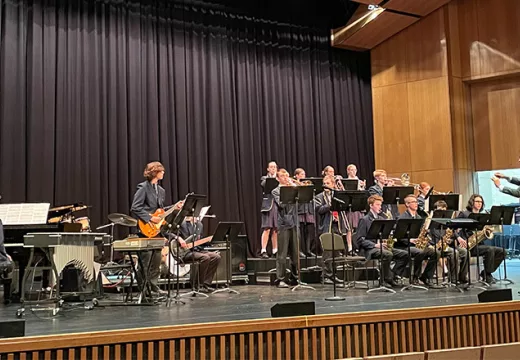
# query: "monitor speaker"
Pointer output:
{"type": "Point", "coordinates": [293, 309]}
{"type": "Point", "coordinates": [12, 328]}
{"type": "Point", "coordinates": [492, 295]}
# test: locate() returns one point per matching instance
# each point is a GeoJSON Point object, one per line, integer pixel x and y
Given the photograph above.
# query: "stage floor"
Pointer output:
{"type": "Point", "coordinates": [254, 302]}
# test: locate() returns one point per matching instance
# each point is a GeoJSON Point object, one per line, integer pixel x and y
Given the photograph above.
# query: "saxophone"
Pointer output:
{"type": "Point", "coordinates": [445, 241]}
{"type": "Point", "coordinates": [479, 236]}
{"type": "Point", "coordinates": [423, 240]}
{"type": "Point", "coordinates": [390, 241]}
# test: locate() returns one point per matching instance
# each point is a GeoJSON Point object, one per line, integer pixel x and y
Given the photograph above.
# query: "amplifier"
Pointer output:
{"type": "Point", "coordinates": [238, 254]}
{"type": "Point", "coordinates": [12, 328]}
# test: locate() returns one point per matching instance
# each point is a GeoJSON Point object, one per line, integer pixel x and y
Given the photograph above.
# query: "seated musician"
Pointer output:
{"type": "Point", "coordinates": [329, 222]}
{"type": "Point", "coordinates": [208, 260]}
{"type": "Point", "coordinates": [417, 255]}
{"type": "Point", "coordinates": [148, 198]}
{"type": "Point", "coordinates": [377, 189]}
{"type": "Point", "coordinates": [493, 256]}
{"type": "Point", "coordinates": [306, 219]}
{"type": "Point", "coordinates": [370, 248]}
{"type": "Point", "coordinates": [451, 253]}
{"type": "Point", "coordinates": [287, 236]}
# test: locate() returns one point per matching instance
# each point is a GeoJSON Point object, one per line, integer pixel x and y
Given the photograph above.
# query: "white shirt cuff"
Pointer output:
{"type": "Point", "coordinates": [501, 188]}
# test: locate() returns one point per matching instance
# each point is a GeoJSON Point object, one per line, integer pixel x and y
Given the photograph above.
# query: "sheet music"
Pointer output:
{"type": "Point", "coordinates": [24, 214]}
{"type": "Point", "coordinates": [203, 211]}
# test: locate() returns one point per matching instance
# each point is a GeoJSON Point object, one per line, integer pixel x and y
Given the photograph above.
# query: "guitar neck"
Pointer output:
{"type": "Point", "coordinates": [199, 242]}
{"type": "Point", "coordinates": [168, 212]}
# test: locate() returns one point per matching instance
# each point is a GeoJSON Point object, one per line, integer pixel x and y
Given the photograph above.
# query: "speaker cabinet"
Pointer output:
{"type": "Point", "coordinates": [12, 328]}
{"type": "Point", "coordinates": [293, 309]}
{"type": "Point", "coordinates": [492, 295]}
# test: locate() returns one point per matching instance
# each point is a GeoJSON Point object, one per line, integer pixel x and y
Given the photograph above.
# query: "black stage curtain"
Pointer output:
{"type": "Point", "coordinates": [90, 91]}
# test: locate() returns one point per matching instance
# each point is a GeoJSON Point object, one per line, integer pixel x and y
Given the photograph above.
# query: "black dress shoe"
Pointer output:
{"type": "Point", "coordinates": [311, 254]}
{"type": "Point", "coordinates": [264, 255]}
{"type": "Point", "coordinates": [208, 287]}
{"type": "Point", "coordinates": [392, 283]}
{"type": "Point", "coordinates": [302, 254]}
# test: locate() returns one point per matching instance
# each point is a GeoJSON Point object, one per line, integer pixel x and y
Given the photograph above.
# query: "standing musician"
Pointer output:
{"type": "Point", "coordinates": [424, 187]}
{"type": "Point", "coordinates": [329, 222]}
{"type": "Point", "coordinates": [147, 199]}
{"type": "Point", "coordinates": [370, 248]}
{"type": "Point", "coordinates": [327, 170]}
{"type": "Point", "coordinates": [380, 182]}
{"type": "Point", "coordinates": [208, 260]}
{"type": "Point", "coordinates": [493, 256]}
{"type": "Point", "coordinates": [417, 255]}
{"type": "Point", "coordinates": [269, 213]}
{"type": "Point", "coordinates": [506, 189]}
{"type": "Point", "coordinates": [354, 217]}
{"type": "Point", "coordinates": [287, 230]}
{"type": "Point", "coordinates": [451, 253]}
{"type": "Point", "coordinates": [307, 221]}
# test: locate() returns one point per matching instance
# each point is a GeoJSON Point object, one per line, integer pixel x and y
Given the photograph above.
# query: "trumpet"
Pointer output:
{"type": "Point", "coordinates": [404, 180]}
{"type": "Point", "coordinates": [339, 184]}
{"type": "Point", "coordinates": [296, 182]}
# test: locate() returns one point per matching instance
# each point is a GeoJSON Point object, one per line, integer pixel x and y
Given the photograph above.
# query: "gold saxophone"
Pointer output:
{"type": "Point", "coordinates": [390, 241]}
{"type": "Point", "coordinates": [479, 236]}
{"type": "Point", "coordinates": [423, 240]}
{"type": "Point", "coordinates": [445, 241]}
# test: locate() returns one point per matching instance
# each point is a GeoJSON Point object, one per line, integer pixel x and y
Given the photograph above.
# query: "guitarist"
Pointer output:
{"type": "Point", "coordinates": [147, 199]}
{"type": "Point", "coordinates": [209, 260]}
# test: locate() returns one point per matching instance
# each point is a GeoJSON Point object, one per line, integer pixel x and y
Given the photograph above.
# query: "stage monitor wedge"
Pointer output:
{"type": "Point", "coordinates": [293, 309]}
{"type": "Point", "coordinates": [493, 295]}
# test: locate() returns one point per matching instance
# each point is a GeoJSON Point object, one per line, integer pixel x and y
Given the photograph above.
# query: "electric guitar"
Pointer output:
{"type": "Point", "coordinates": [189, 245]}
{"type": "Point", "coordinates": [151, 229]}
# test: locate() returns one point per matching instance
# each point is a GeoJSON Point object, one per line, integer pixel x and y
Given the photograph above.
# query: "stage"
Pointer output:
{"type": "Point", "coordinates": [253, 302]}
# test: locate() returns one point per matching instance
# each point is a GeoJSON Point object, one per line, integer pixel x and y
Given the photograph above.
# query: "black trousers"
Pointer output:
{"type": "Point", "coordinates": [208, 265]}
{"type": "Point", "coordinates": [418, 257]}
{"type": "Point", "coordinates": [399, 256]}
{"type": "Point", "coordinates": [493, 257]}
{"type": "Point", "coordinates": [307, 237]}
{"type": "Point", "coordinates": [458, 268]}
{"type": "Point", "coordinates": [287, 243]}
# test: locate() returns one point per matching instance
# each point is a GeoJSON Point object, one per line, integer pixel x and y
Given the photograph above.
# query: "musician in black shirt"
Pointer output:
{"type": "Point", "coordinates": [493, 256]}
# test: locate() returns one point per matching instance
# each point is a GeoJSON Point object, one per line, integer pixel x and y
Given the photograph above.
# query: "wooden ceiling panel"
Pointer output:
{"type": "Point", "coordinates": [369, 2]}
{"type": "Point", "coordinates": [416, 7]}
{"type": "Point", "coordinates": [375, 32]}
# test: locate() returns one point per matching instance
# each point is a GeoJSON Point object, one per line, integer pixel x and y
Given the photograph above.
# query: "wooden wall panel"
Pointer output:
{"type": "Point", "coordinates": [388, 62]}
{"type": "Point", "coordinates": [426, 48]}
{"type": "Point", "coordinates": [430, 124]}
{"type": "Point", "coordinates": [496, 123]}
{"type": "Point", "coordinates": [417, 7]}
{"type": "Point", "coordinates": [498, 30]}
{"type": "Point", "coordinates": [441, 179]}
{"type": "Point", "coordinates": [468, 31]}
{"type": "Point", "coordinates": [504, 125]}
{"type": "Point", "coordinates": [392, 137]}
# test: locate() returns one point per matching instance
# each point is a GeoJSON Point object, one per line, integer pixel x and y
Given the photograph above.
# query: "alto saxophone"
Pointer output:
{"type": "Point", "coordinates": [445, 241]}
{"type": "Point", "coordinates": [423, 240]}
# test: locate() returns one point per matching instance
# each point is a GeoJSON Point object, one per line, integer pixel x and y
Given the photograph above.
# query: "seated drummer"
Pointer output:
{"type": "Point", "coordinates": [461, 254]}
{"type": "Point", "coordinates": [209, 260]}
{"type": "Point", "coordinates": [417, 255]}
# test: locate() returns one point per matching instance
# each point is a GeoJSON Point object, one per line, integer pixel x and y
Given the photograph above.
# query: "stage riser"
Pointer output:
{"type": "Point", "coordinates": [313, 337]}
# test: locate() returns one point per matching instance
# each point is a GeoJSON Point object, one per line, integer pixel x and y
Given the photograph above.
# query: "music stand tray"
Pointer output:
{"type": "Point", "coordinates": [396, 194]}
{"type": "Point", "coordinates": [350, 184]}
{"type": "Point", "coordinates": [270, 185]}
{"type": "Point", "coordinates": [317, 182]}
{"type": "Point", "coordinates": [452, 200]}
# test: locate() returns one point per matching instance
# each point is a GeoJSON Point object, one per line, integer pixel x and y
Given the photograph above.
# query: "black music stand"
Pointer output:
{"type": "Point", "coordinates": [294, 195]}
{"type": "Point", "coordinates": [503, 215]}
{"type": "Point", "coordinates": [442, 214]}
{"type": "Point", "coordinates": [172, 224]}
{"type": "Point", "coordinates": [452, 200]}
{"type": "Point", "coordinates": [317, 182]}
{"type": "Point", "coordinates": [270, 185]}
{"type": "Point", "coordinates": [350, 184]}
{"type": "Point", "coordinates": [228, 232]}
{"type": "Point", "coordinates": [396, 194]}
{"type": "Point", "coordinates": [379, 230]}
{"type": "Point", "coordinates": [458, 223]}
{"type": "Point", "coordinates": [483, 220]}
{"type": "Point", "coordinates": [409, 229]}
{"type": "Point", "coordinates": [350, 201]}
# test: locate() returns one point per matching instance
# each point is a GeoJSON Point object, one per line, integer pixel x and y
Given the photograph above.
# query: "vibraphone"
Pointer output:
{"type": "Point", "coordinates": [61, 250]}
